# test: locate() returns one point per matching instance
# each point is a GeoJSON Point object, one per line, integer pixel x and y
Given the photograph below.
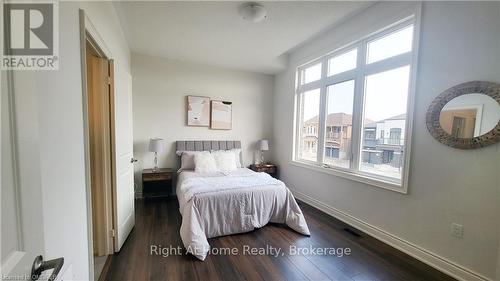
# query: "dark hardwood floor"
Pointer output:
{"type": "Point", "coordinates": [158, 222]}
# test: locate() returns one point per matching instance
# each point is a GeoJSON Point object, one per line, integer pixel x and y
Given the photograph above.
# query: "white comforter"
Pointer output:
{"type": "Point", "coordinates": [227, 203]}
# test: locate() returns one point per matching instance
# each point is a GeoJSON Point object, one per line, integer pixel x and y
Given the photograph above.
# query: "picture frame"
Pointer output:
{"type": "Point", "coordinates": [197, 111]}
{"type": "Point", "coordinates": [221, 115]}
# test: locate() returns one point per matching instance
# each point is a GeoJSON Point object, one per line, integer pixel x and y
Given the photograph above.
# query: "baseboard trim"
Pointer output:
{"type": "Point", "coordinates": [454, 270]}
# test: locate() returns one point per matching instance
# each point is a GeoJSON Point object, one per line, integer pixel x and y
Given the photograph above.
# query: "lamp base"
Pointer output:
{"type": "Point", "coordinates": [155, 167]}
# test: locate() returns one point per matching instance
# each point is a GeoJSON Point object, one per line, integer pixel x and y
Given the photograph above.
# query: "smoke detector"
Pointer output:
{"type": "Point", "coordinates": [253, 12]}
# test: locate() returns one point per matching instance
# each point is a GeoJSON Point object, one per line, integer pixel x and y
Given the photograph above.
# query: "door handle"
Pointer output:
{"type": "Point", "coordinates": [39, 266]}
{"type": "Point", "coordinates": [133, 160]}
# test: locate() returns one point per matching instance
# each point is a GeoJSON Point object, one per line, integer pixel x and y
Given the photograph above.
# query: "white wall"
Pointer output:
{"type": "Point", "coordinates": [160, 87]}
{"type": "Point", "coordinates": [459, 43]}
{"type": "Point", "coordinates": [61, 139]}
{"type": "Point", "coordinates": [498, 177]}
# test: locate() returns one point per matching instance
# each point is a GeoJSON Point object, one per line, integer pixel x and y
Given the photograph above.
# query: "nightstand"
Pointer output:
{"type": "Point", "coordinates": [271, 169]}
{"type": "Point", "coordinates": [157, 184]}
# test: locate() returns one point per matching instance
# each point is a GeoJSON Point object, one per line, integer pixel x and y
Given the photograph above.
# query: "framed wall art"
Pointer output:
{"type": "Point", "coordinates": [222, 115]}
{"type": "Point", "coordinates": [198, 111]}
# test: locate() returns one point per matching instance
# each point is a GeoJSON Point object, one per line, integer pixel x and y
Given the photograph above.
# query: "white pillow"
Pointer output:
{"type": "Point", "coordinates": [187, 160]}
{"type": "Point", "coordinates": [225, 160]}
{"type": "Point", "coordinates": [237, 154]}
{"type": "Point", "coordinates": [204, 162]}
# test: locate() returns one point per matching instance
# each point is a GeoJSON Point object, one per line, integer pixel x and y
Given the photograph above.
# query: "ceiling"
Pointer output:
{"type": "Point", "coordinates": [213, 33]}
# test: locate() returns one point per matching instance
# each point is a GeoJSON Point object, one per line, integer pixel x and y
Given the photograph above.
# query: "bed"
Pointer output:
{"type": "Point", "coordinates": [224, 203]}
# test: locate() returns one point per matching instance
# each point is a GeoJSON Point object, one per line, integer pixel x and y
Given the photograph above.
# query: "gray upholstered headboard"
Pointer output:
{"type": "Point", "coordinates": [206, 145]}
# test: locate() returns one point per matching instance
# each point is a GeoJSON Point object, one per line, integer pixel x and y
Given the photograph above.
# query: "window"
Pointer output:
{"type": "Point", "coordinates": [395, 135]}
{"type": "Point", "coordinates": [309, 112]}
{"type": "Point", "coordinates": [342, 63]}
{"type": "Point", "coordinates": [357, 107]}
{"type": "Point", "coordinates": [458, 127]}
{"type": "Point", "coordinates": [385, 103]}
{"type": "Point", "coordinates": [340, 98]}
{"type": "Point", "coordinates": [311, 74]}
{"type": "Point", "coordinates": [394, 44]}
{"type": "Point", "coordinates": [369, 134]}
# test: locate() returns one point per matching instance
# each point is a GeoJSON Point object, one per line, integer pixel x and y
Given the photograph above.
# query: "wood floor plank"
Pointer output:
{"type": "Point", "coordinates": [283, 239]}
{"type": "Point", "coordinates": [263, 264]}
{"type": "Point", "coordinates": [158, 223]}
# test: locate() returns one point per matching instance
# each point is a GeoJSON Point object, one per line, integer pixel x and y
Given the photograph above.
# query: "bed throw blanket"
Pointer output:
{"type": "Point", "coordinates": [214, 206]}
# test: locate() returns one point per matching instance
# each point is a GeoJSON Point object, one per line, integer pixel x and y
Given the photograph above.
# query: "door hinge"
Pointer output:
{"type": "Point", "coordinates": [108, 80]}
{"type": "Point", "coordinates": [113, 233]}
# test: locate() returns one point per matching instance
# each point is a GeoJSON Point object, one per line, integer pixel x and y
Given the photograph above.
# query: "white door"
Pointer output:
{"type": "Point", "coordinates": [124, 194]}
{"type": "Point", "coordinates": [21, 205]}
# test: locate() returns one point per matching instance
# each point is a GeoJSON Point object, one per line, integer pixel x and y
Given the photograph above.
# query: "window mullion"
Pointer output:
{"type": "Point", "coordinates": [297, 104]}
{"type": "Point", "coordinates": [322, 114]}
{"type": "Point", "coordinates": [322, 125]}
{"type": "Point", "coordinates": [342, 77]}
{"type": "Point", "coordinates": [388, 64]}
{"type": "Point", "coordinates": [310, 86]}
{"type": "Point", "coordinates": [358, 109]}
{"type": "Point", "coordinates": [296, 127]}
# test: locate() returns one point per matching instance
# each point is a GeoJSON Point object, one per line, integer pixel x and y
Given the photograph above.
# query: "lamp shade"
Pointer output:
{"type": "Point", "coordinates": [156, 145]}
{"type": "Point", "coordinates": [263, 145]}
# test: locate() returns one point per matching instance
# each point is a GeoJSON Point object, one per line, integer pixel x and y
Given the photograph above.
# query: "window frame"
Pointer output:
{"type": "Point", "coordinates": [359, 74]}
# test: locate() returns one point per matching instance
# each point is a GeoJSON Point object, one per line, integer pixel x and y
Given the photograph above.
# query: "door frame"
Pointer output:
{"type": "Point", "coordinates": [89, 34]}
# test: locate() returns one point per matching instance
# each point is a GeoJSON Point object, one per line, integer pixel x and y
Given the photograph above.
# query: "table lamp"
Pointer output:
{"type": "Point", "coordinates": [263, 146]}
{"type": "Point", "coordinates": [156, 146]}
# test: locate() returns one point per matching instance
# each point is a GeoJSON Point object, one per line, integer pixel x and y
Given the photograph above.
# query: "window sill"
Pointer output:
{"type": "Point", "coordinates": [355, 177]}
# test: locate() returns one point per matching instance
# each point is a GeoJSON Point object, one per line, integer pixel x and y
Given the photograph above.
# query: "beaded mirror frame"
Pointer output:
{"type": "Point", "coordinates": [490, 89]}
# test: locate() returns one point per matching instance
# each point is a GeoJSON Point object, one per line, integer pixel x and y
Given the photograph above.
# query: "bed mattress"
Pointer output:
{"type": "Point", "coordinates": [224, 203]}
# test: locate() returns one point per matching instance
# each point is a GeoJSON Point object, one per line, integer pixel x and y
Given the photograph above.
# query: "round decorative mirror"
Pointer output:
{"type": "Point", "coordinates": [466, 116]}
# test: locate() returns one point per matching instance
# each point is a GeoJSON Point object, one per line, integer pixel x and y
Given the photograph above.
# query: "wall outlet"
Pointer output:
{"type": "Point", "coordinates": [457, 230]}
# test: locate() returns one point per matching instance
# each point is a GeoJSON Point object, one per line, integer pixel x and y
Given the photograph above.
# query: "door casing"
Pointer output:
{"type": "Point", "coordinates": [89, 35]}
{"type": "Point", "coordinates": [100, 111]}
{"type": "Point", "coordinates": [122, 142]}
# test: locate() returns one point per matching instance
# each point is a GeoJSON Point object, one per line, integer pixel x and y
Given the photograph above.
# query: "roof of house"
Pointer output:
{"type": "Point", "coordinates": [396, 117]}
